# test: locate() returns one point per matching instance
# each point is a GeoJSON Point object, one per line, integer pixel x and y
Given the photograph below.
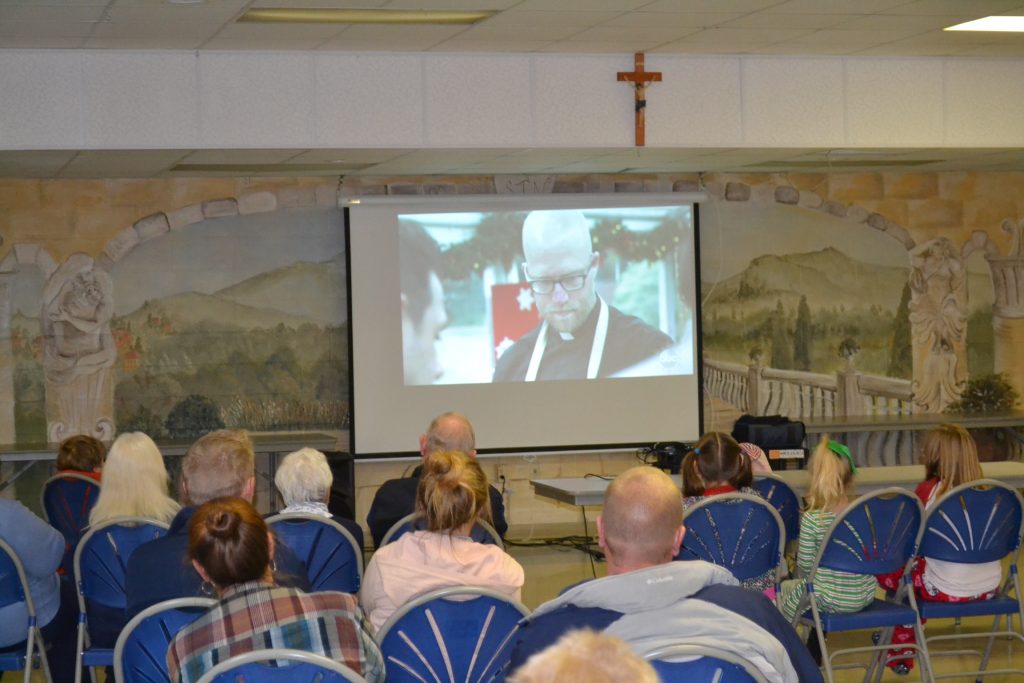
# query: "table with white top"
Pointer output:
{"type": "Point", "coordinates": [590, 490]}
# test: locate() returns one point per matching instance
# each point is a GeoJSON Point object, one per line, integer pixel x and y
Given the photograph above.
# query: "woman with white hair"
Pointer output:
{"type": "Point", "coordinates": [304, 481]}
{"type": "Point", "coordinates": [135, 482]}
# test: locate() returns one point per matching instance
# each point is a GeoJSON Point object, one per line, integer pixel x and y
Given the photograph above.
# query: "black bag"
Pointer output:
{"type": "Point", "coordinates": [770, 432]}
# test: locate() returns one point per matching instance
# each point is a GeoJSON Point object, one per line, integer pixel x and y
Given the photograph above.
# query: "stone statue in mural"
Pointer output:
{"type": "Point", "coordinates": [79, 350]}
{"type": "Point", "coordinates": [938, 319]}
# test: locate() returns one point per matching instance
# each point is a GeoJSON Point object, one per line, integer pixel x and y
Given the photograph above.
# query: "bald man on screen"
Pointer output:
{"type": "Point", "coordinates": [580, 336]}
{"type": "Point", "coordinates": [651, 601]}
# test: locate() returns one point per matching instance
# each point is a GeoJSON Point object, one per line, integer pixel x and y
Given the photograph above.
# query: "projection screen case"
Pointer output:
{"type": "Point", "coordinates": [553, 322]}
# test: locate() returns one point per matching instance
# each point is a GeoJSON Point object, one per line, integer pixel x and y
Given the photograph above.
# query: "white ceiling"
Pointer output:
{"type": "Point", "coordinates": [803, 27]}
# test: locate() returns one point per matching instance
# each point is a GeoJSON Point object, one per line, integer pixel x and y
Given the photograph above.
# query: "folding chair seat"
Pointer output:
{"type": "Point", "coordinates": [783, 498]}
{"type": "Point", "coordinates": [66, 499]}
{"type": "Point", "coordinates": [333, 560]}
{"type": "Point", "coordinates": [877, 534]}
{"type": "Point", "coordinates": [980, 521]}
{"type": "Point", "coordinates": [140, 655]}
{"type": "Point", "coordinates": [101, 560]}
{"type": "Point", "coordinates": [450, 635]}
{"type": "Point", "coordinates": [482, 532]}
{"type": "Point", "coordinates": [13, 590]}
{"type": "Point", "coordinates": [687, 663]}
{"type": "Point", "coordinates": [738, 531]}
{"type": "Point", "coordinates": [264, 666]}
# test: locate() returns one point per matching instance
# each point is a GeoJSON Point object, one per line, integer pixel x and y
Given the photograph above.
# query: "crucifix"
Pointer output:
{"type": "Point", "coordinates": [640, 79]}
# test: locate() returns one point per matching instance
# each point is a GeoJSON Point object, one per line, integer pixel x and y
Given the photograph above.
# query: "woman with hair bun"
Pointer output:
{"type": "Point", "coordinates": [452, 496]}
{"type": "Point", "coordinates": [233, 551]}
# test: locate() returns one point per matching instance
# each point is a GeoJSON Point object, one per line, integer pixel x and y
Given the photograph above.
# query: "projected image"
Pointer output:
{"type": "Point", "coordinates": [546, 294]}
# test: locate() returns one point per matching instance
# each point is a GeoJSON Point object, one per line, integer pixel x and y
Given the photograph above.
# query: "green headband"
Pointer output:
{"type": "Point", "coordinates": [843, 452]}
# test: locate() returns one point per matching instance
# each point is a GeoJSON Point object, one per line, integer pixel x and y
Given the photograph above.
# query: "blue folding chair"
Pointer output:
{"type": "Point", "coordinates": [450, 635]}
{"type": "Point", "coordinates": [980, 521]}
{"type": "Point", "coordinates": [482, 532]}
{"type": "Point", "coordinates": [877, 534]}
{"type": "Point", "coordinates": [784, 499]}
{"type": "Point", "coordinates": [332, 559]}
{"type": "Point", "coordinates": [66, 499]}
{"type": "Point", "coordinates": [140, 655]}
{"type": "Point", "coordinates": [686, 663]}
{"type": "Point", "coordinates": [13, 590]}
{"type": "Point", "coordinates": [264, 666]}
{"type": "Point", "coordinates": [738, 531]}
{"type": "Point", "coordinates": [101, 560]}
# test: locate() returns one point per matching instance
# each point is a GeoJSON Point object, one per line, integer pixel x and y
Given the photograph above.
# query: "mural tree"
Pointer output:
{"type": "Point", "coordinates": [802, 336]}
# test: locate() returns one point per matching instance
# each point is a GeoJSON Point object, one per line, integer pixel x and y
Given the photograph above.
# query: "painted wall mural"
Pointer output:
{"type": "Point", "coordinates": [223, 302]}
{"type": "Point", "coordinates": [229, 319]}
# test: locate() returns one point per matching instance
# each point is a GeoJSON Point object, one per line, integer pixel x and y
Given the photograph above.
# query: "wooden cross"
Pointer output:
{"type": "Point", "coordinates": [640, 80]}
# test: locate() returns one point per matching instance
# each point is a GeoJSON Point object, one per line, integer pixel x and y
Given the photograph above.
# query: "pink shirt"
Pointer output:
{"type": "Point", "coordinates": [423, 561]}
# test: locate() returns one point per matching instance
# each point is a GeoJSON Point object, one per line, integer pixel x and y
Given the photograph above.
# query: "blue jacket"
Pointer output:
{"type": "Point", "coordinates": [692, 602]}
{"type": "Point", "coordinates": [161, 570]}
{"type": "Point", "coordinates": [40, 548]}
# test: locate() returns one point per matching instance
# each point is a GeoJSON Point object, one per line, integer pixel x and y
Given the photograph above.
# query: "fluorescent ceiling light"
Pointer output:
{"type": "Point", "coordinates": [362, 16]}
{"type": "Point", "coordinates": [994, 23]}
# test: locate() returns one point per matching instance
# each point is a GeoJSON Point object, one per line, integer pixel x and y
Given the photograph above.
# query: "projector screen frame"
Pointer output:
{"type": "Point", "coordinates": [496, 202]}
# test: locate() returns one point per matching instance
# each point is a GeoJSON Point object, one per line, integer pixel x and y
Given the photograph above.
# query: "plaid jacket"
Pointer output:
{"type": "Point", "coordinates": [256, 616]}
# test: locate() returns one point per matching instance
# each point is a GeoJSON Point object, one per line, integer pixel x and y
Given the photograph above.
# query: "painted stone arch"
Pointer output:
{"type": "Point", "coordinates": [938, 285]}
{"type": "Point", "coordinates": [21, 256]}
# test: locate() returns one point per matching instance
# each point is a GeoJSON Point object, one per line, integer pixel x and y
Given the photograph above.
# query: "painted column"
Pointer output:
{"type": "Point", "coordinates": [1008, 307]}
{"type": "Point", "coordinates": [7, 433]}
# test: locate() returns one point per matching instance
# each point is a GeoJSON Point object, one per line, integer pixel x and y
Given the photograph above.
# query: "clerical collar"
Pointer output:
{"type": "Point", "coordinates": [596, 347]}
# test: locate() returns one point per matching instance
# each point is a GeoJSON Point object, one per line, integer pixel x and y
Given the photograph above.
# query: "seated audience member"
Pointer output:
{"type": "Point", "coordinates": [218, 464]}
{"type": "Point", "coordinates": [81, 454]}
{"type": "Point", "coordinates": [231, 548]}
{"type": "Point", "coordinates": [650, 601]}
{"type": "Point", "coordinates": [135, 482]}
{"type": "Point", "coordinates": [396, 498]}
{"type": "Point", "coordinates": [452, 495]}
{"type": "Point", "coordinates": [717, 465]}
{"type": "Point", "coordinates": [304, 481]}
{"type": "Point", "coordinates": [40, 548]}
{"type": "Point", "coordinates": [586, 656]}
{"type": "Point", "coordinates": [134, 485]}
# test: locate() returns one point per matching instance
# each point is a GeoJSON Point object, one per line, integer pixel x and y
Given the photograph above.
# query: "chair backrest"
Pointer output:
{"type": "Point", "coordinates": [784, 499]}
{"type": "Point", "coordinates": [101, 558]}
{"type": "Point", "coordinates": [66, 499]}
{"type": "Point", "coordinates": [701, 664]}
{"type": "Point", "coordinates": [332, 559]}
{"type": "Point", "coordinates": [876, 534]}
{"type": "Point", "coordinates": [979, 521]}
{"type": "Point", "coordinates": [140, 655]}
{"type": "Point", "coordinates": [452, 634]}
{"type": "Point", "coordinates": [13, 590]}
{"type": "Point", "coordinates": [482, 531]}
{"type": "Point", "coordinates": [738, 531]}
{"type": "Point", "coordinates": [263, 666]}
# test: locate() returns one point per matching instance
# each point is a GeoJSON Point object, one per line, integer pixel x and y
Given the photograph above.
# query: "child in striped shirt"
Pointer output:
{"type": "Point", "coordinates": [830, 492]}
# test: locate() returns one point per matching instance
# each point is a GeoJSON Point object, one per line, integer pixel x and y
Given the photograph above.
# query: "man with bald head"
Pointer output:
{"type": "Point", "coordinates": [580, 335]}
{"type": "Point", "coordinates": [396, 498]}
{"type": "Point", "coordinates": [651, 601]}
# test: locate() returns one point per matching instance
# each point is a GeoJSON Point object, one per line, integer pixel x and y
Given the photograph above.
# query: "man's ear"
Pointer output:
{"type": "Point", "coordinates": [600, 534]}
{"type": "Point", "coordinates": [249, 490]}
{"type": "Point", "coordinates": [183, 492]}
{"type": "Point", "coordinates": [271, 547]}
{"type": "Point", "coordinates": [423, 446]}
{"type": "Point", "coordinates": [677, 542]}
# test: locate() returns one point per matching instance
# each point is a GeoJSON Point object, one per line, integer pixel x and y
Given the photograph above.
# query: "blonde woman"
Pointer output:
{"type": "Point", "coordinates": [950, 458]}
{"type": "Point", "coordinates": [135, 482]}
{"type": "Point", "coordinates": [830, 492]}
{"type": "Point", "coordinates": [452, 495]}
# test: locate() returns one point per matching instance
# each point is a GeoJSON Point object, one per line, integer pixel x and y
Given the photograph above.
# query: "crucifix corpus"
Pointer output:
{"type": "Point", "coordinates": [640, 79]}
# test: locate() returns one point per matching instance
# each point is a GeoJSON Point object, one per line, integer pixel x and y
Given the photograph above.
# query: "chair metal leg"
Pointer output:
{"type": "Point", "coordinates": [988, 647]}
